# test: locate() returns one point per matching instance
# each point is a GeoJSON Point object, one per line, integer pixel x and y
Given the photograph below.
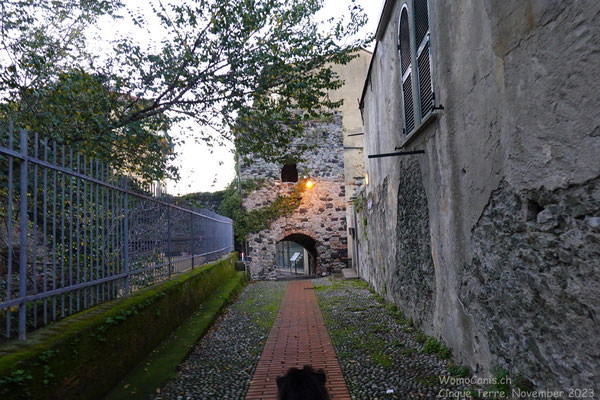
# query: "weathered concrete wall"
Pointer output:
{"type": "Point", "coordinates": [353, 74]}
{"type": "Point", "coordinates": [510, 175]}
{"type": "Point", "coordinates": [322, 211]}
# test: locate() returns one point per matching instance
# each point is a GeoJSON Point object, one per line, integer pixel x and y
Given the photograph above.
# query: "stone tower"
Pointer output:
{"type": "Point", "coordinates": [319, 223]}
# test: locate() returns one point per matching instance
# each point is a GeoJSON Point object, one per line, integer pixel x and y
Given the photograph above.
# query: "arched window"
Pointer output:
{"type": "Point", "coordinates": [289, 173]}
{"type": "Point", "coordinates": [414, 45]}
{"type": "Point", "coordinates": [406, 68]}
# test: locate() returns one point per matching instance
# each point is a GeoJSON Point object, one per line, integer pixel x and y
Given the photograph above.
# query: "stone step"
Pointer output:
{"type": "Point", "coordinates": [349, 273]}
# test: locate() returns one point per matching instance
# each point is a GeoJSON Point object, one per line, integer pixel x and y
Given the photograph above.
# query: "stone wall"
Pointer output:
{"type": "Point", "coordinates": [205, 200]}
{"type": "Point", "coordinates": [321, 215]}
{"type": "Point", "coordinates": [534, 275]}
{"type": "Point", "coordinates": [414, 278]}
{"type": "Point", "coordinates": [510, 182]}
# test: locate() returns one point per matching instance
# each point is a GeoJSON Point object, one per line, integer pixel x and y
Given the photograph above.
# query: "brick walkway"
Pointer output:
{"type": "Point", "coordinates": [298, 337]}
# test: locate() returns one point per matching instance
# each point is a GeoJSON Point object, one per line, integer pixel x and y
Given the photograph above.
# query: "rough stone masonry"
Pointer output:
{"type": "Point", "coordinates": [321, 216]}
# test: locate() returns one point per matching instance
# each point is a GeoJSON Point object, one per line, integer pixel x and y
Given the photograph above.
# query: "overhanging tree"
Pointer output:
{"type": "Point", "coordinates": [244, 69]}
{"type": "Point", "coordinates": [50, 84]}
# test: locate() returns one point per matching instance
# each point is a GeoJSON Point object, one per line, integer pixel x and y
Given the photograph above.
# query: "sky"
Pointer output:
{"type": "Point", "coordinates": [204, 169]}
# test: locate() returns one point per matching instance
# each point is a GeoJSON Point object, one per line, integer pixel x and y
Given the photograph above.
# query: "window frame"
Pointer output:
{"type": "Point", "coordinates": [408, 74]}
{"type": "Point", "coordinates": [419, 48]}
{"type": "Point", "coordinates": [416, 49]}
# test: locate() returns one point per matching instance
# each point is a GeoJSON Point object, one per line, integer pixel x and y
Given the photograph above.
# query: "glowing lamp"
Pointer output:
{"type": "Point", "coordinates": [367, 178]}
{"type": "Point", "coordinates": [309, 184]}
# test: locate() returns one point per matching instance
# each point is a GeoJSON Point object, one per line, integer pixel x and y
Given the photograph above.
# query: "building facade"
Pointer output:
{"type": "Point", "coordinates": [486, 229]}
{"type": "Point", "coordinates": [353, 74]}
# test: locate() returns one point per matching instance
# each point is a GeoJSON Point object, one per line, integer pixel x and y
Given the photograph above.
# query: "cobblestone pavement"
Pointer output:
{"type": "Point", "coordinates": [381, 354]}
{"type": "Point", "coordinates": [221, 364]}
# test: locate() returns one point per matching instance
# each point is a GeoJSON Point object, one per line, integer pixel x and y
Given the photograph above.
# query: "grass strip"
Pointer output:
{"type": "Point", "coordinates": [161, 363]}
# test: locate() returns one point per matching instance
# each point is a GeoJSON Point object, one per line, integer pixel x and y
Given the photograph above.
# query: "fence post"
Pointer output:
{"type": "Point", "coordinates": [9, 229]}
{"type": "Point", "coordinates": [169, 236]}
{"type": "Point", "coordinates": [23, 232]}
{"type": "Point", "coordinates": [126, 229]}
{"type": "Point", "coordinates": [232, 238]}
{"type": "Point", "coordinates": [205, 241]}
{"type": "Point", "coordinates": [192, 236]}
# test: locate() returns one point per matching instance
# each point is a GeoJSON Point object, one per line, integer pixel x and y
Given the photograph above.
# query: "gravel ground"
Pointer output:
{"type": "Point", "coordinates": [382, 356]}
{"type": "Point", "coordinates": [222, 363]}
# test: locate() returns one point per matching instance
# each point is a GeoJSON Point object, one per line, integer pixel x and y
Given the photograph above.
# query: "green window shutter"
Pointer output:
{"type": "Point", "coordinates": [406, 70]}
{"type": "Point", "coordinates": [422, 36]}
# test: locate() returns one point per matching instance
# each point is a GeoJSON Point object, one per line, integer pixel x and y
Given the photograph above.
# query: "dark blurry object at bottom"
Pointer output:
{"type": "Point", "coordinates": [302, 384]}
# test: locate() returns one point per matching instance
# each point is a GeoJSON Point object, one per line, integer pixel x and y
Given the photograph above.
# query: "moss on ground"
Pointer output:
{"type": "Point", "coordinates": [86, 354]}
{"type": "Point", "coordinates": [374, 339]}
{"type": "Point", "coordinates": [161, 364]}
{"type": "Point", "coordinates": [267, 311]}
{"type": "Point", "coordinates": [369, 344]}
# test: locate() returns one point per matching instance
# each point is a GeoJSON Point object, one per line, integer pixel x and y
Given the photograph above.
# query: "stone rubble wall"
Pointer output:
{"type": "Point", "coordinates": [322, 212]}
{"type": "Point", "coordinates": [326, 161]}
{"type": "Point", "coordinates": [321, 216]}
{"type": "Point", "coordinates": [534, 278]}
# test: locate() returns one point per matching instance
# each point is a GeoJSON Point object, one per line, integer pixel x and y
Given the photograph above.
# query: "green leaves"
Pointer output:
{"type": "Point", "coordinates": [245, 70]}
{"type": "Point", "coordinates": [82, 110]}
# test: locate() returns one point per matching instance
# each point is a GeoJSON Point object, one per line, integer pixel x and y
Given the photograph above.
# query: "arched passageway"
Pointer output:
{"type": "Point", "coordinates": [297, 254]}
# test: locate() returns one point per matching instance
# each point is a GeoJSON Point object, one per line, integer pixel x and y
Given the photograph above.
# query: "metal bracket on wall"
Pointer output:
{"type": "Point", "coordinates": [400, 153]}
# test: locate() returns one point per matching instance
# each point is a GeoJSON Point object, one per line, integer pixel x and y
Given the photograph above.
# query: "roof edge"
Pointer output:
{"type": "Point", "coordinates": [384, 19]}
{"type": "Point", "coordinates": [361, 102]}
{"type": "Point", "coordinates": [386, 12]}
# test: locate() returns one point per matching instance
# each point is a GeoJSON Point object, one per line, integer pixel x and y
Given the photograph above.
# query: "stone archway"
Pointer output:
{"type": "Point", "coordinates": [308, 241]}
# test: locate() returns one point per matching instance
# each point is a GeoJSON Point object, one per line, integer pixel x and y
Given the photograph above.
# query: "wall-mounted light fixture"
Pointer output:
{"type": "Point", "coordinates": [366, 178]}
{"type": "Point", "coordinates": [309, 184]}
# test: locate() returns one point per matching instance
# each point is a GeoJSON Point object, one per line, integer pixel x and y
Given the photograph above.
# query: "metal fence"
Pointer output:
{"type": "Point", "coordinates": [75, 233]}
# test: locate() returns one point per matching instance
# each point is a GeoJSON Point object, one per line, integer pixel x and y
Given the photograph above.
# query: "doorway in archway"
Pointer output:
{"type": "Point", "coordinates": [297, 254]}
